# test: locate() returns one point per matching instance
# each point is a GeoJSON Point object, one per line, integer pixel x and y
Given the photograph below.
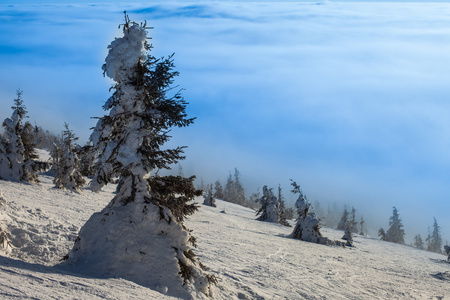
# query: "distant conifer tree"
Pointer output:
{"type": "Point", "coordinates": [382, 234]}
{"type": "Point", "coordinates": [361, 224]}
{"type": "Point", "coordinates": [209, 197]}
{"type": "Point", "coordinates": [269, 210]}
{"type": "Point", "coordinates": [68, 166]}
{"type": "Point", "coordinates": [353, 224]}
{"type": "Point", "coordinates": [344, 222]}
{"type": "Point", "coordinates": [418, 242]}
{"type": "Point", "coordinates": [15, 159]}
{"type": "Point", "coordinates": [307, 227]}
{"type": "Point", "coordinates": [395, 233]}
{"type": "Point", "coordinates": [218, 190]}
{"type": "Point", "coordinates": [435, 240]}
{"type": "Point", "coordinates": [348, 237]}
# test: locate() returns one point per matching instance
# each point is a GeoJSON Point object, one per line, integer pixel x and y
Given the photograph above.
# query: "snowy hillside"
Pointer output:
{"type": "Point", "coordinates": [251, 259]}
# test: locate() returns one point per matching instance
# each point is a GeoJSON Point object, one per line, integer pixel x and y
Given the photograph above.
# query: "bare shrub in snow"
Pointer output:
{"type": "Point", "coordinates": [140, 234]}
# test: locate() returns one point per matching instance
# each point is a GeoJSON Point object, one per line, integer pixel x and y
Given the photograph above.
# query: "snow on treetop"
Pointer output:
{"type": "Point", "coordinates": [125, 52]}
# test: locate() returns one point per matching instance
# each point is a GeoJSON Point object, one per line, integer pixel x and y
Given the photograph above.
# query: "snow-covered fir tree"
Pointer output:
{"type": "Point", "coordinates": [395, 233]}
{"type": "Point", "coordinates": [140, 235]}
{"type": "Point", "coordinates": [28, 141]}
{"type": "Point", "coordinates": [307, 227]}
{"type": "Point", "coordinates": [269, 210]}
{"type": "Point", "coordinates": [382, 234]}
{"type": "Point", "coordinates": [348, 237]}
{"type": "Point", "coordinates": [68, 173]}
{"type": "Point", "coordinates": [435, 240]}
{"type": "Point", "coordinates": [344, 222]}
{"type": "Point", "coordinates": [209, 197]}
{"type": "Point", "coordinates": [15, 163]}
{"type": "Point", "coordinates": [218, 190]}
{"type": "Point", "coordinates": [418, 242]}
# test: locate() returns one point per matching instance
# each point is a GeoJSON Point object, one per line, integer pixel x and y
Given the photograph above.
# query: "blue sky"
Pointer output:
{"type": "Point", "coordinates": [348, 99]}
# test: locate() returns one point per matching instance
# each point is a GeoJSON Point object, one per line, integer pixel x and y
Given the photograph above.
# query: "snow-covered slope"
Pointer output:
{"type": "Point", "coordinates": [252, 259]}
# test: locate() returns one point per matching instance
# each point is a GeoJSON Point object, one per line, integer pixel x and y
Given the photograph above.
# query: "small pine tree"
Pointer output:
{"type": "Point", "coordinates": [344, 222]}
{"type": "Point", "coordinates": [239, 189]}
{"type": "Point", "coordinates": [269, 210]}
{"type": "Point", "coordinates": [15, 163]}
{"type": "Point", "coordinates": [382, 234]}
{"type": "Point", "coordinates": [229, 193]}
{"type": "Point", "coordinates": [218, 190]}
{"type": "Point", "coordinates": [395, 232]}
{"type": "Point", "coordinates": [27, 136]}
{"type": "Point", "coordinates": [435, 240]}
{"type": "Point", "coordinates": [307, 227]}
{"type": "Point", "coordinates": [209, 197]}
{"type": "Point", "coordinates": [283, 210]}
{"type": "Point", "coordinates": [234, 191]}
{"type": "Point", "coordinates": [348, 237]}
{"type": "Point", "coordinates": [418, 242]}
{"type": "Point", "coordinates": [68, 174]}
{"type": "Point", "coordinates": [353, 225]}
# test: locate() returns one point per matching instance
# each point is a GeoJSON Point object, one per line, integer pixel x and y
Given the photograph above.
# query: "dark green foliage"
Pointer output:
{"type": "Point", "coordinates": [174, 192]}
{"type": "Point", "coordinates": [19, 106]}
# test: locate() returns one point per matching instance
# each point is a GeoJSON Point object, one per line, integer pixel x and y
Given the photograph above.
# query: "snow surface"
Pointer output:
{"type": "Point", "coordinates": [251, 259]}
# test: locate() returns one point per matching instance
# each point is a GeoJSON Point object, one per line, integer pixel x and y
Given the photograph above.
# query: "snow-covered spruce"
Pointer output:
{"type": "Point", "coordinates": [395, 233]}
{"type": "Point", "coordinates": [15, 163]}
{"type": "Point", "coordinates": [68, 175]}
{"type": "Point", "coordinates": [209, 198]}
{"type": "Point", "coordinates": [270, 210]}
{"type": "Point", "coordinates": [348, 237]}
{"type": "Point", "coordinates": [140, 235]}
{"type": "Point", "coordinates": [307, 227]}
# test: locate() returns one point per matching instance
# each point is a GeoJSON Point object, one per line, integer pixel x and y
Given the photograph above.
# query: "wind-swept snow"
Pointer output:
{"type": "Point", "coordinates": [251, 259]}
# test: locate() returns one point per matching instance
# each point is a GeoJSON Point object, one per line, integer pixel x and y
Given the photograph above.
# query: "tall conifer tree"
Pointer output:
{"type": "Point", "coordinates": [140, 235]}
